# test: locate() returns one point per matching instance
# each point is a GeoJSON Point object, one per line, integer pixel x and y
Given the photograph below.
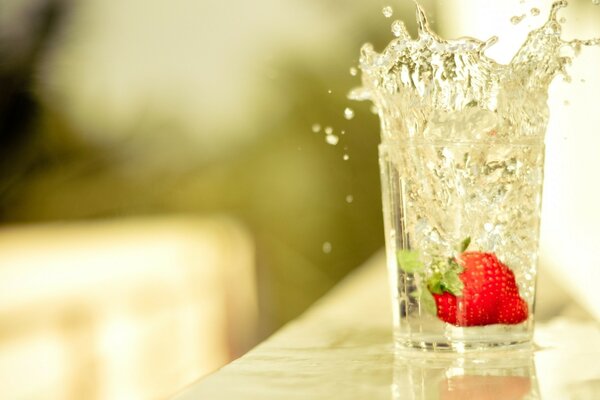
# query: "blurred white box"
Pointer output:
{"type": "Point", "coordinates": [127, 309]}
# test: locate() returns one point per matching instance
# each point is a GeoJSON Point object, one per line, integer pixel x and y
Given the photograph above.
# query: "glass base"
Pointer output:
{"type": "Point", "coordinates": [466, 340]}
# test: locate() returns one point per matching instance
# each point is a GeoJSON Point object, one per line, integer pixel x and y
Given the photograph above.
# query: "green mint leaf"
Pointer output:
{"type": "Point", "coordinates": [409, 262]}
{"type": "Point", "coordinates": [451, 283]}
{"type": "Point", "coordinates": [464, 244]}
{"type": "Point", "coordinates": [428, 302]}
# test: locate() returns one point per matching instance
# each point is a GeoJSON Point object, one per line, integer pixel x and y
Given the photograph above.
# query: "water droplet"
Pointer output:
{"type": "Point", "coordinates": [328, 130]}
{"type": "Point", "coordinates": [516, 19]}
{"type": "Point", "coordinates": [353, 71]}
{"type": "Point", "coordinates": [387, 11]}
{"type": "Point", "coordinates": [329, 91]}
{"type": "Point", "coordinates": [316, 128]}
{"type": "Point", "coordinates": [346, 157]}
{"type": "Point", "coordinates": [326, 247]}
{"type": "Point", "coordinates": [332, 139]}
{"type": "Point", "coordinates": [349, 198]}
{"type": "Point", "coordinates": [535, 11]}
{"type": "Point", "coordinates": [343, 132]}
{"type": "Point", "coordinates": [399, 29]}
{"type": "Point", "coordinates": [348, 113]}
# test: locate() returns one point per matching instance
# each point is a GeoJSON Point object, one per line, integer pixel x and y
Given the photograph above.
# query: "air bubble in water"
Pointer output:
{"type": "Point", "coordinates": [332, 139]}
{"type": "Point", "coordinates": [387, 11]}
{"type": "Point", "coordinates": [316, 128]}
{"type": "Point", "coordinates": [326, 247]}
{"type": "Point", "coordinates": [349, 198]}
{"type": "Point", "coordinates": [348, 113]}
{"type": "Point", "coordinates": [328, 130]}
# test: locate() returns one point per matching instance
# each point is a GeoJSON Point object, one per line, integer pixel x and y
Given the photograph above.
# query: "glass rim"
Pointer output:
{"type": "Point", "coordinates": [533, 141]}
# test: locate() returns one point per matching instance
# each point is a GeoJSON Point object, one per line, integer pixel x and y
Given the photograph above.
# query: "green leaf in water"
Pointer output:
{"type": "Point", "coordinates": [451, 283]}
{"type": "Point", "coordinates": [428, 302]}
{"type": "Point", "coordinates": [409, 262]}
{"type": "Point", "coordinates": [464, 245]}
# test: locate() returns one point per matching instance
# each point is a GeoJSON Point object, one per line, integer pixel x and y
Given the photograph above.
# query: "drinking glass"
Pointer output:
{"type": "Point", "coordinates": [439, 196]}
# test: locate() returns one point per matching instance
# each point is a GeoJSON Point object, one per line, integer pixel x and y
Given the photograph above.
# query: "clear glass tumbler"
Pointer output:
{"type": "Point", "coordinates": [462, 227]}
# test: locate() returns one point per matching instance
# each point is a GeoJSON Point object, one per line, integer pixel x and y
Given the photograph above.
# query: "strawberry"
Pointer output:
{"type": "Point", "coordinates": [446, 307]}
{"type": "Point", "coordinates": [489, 296]}
{"type": "Point", "coordinates": [512, 311]}
{"type": "Point", "coordinates": [473, 289]}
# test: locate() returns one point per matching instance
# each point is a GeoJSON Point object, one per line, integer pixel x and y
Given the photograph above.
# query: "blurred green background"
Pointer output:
{"type": "Point", "coordinates": [112, 109]}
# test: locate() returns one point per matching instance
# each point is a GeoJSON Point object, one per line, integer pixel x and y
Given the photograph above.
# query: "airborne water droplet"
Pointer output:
{"type": "Point", "coordinates": [348, 113]}
{"type": "Point", "coordinates": [345, 157]}
{"type": "Point", "coordinates": [353, 71]}
{"type": "Point", "coordinates": [349, 198]}
{"type": "Point", "coordinates": [387, 11]}
{"type": "Point", "coordinates": [326, 247]}
{"type": "Point", "coordinates": [398, 28]}
{"type": "Point", "coordinates": [328, 130]}
{"type": "Point", "coordinates": [516, 19]}
{"type": "Point", "coordinates": [316, 128]}
{"type": "Point", "coordinates": [332, 139]}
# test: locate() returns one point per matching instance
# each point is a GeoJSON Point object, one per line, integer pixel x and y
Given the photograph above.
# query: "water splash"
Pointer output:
{"type": "Point", "coordinates": [332, 139]}
{"type": "Point", "coordinates": [517, 19]}
{"type": "Point", "coordinates": [429, 88]}
{"type": "Point", "coordinates": [387, 11]}
{"type": "Point", "coordinates": [348, 113]}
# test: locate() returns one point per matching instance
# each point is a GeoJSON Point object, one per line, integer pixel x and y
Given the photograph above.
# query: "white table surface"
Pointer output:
{"type": "Point", "coordinates": [342, 349]}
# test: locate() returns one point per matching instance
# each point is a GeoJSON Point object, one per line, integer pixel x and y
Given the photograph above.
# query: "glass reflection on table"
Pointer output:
{"type": "Point", "coordinates": [504, 376]}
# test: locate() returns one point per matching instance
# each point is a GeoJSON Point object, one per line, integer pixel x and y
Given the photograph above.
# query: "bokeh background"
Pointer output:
{"type": "Point", "coordinates": [168, 195]}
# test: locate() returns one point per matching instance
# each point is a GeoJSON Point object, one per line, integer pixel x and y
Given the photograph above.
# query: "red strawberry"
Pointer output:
{"type": "Point", "coordinates": [512, 311]}
{"type": "Point", "coordinates": [489, 296]}
{"type": "Point", "coordinates": [446, 307]}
